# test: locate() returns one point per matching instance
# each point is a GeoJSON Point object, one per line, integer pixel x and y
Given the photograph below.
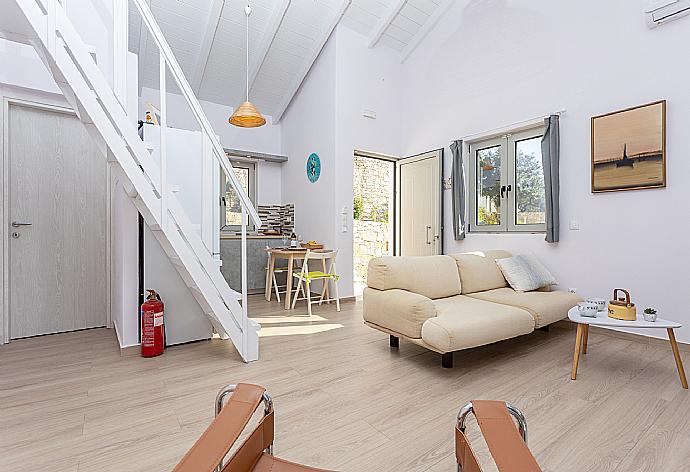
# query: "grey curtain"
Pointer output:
{"type": "Point", "coordinates": [550, 154]}
{"type": "Point", "coordinates": [458, 181]}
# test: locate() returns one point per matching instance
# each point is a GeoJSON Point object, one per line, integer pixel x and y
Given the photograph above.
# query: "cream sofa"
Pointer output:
{"type": "Point", "coordinates": [449, 303]}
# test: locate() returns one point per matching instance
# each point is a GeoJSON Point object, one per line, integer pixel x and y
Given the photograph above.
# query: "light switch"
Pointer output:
{"type": "Point", "coordinates": [574, 225]}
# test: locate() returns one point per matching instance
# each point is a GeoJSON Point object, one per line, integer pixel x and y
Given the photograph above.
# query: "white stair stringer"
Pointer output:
{"type": "Point", "coordinates": [83, 84]}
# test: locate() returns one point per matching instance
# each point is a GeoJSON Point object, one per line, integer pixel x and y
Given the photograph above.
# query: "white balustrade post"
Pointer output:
{"type": "Point", "coordinates": [163, 142]}
{"type": "Point", "coordinates": [120, 39]}
{"type": "Point", "coordinates": [207, 197]}
{"type": "Point", "coordinates": [243, 256]}
{"type": "Point", "coordinates": [51, 34]}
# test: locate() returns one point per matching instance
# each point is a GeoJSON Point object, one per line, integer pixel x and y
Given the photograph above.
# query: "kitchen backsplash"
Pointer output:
{"type": "Point", "coordinates": [278, 217]}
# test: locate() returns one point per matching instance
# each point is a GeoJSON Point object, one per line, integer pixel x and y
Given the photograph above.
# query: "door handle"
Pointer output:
{"type": "Point", "coordinates": [427, 234]}
{"type": "Point", "coordinates": [503, 191]}
{"type": "Point", "coordinates": [17, 224]}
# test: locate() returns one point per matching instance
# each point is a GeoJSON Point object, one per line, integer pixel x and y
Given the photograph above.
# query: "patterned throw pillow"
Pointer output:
{"type": "Point", "coordinates": [525, 273]}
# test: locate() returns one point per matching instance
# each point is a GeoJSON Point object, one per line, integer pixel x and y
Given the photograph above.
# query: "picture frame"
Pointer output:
{"type": "Point", "coordinates": [629, 149]}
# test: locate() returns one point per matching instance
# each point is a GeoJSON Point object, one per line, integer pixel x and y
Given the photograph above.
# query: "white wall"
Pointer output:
{"type": "Point", "coordinates": [93, 20]}
{"type": "Point", "coordinates": [308, 126]}
{"type": "Point", "coordinates": [492, 63]}
{"type": "Point", "coordinates": [366, 79]}
{"type": "Point", "coordinates": [20, 66]}
{"type": "Point", "coordinates": [124, 258]}
{"type": "Point", "coordinates": [124, 228]}
{"type": "Point", "coordinates": [270, 178]}
{"type": "Point", "coordinates": [266, 139]}
{"type": "Point", "coordinates": [326, 117]}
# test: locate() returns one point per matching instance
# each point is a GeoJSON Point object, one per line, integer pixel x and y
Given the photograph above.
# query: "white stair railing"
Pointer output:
{"type": "Point", "coordinates": [78, 76]}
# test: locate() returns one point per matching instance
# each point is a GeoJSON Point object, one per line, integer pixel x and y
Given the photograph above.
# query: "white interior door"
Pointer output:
{"type": "Point", "coordinates": [57, 217]}
{"type": "Point", "coordinates": [419, 229]}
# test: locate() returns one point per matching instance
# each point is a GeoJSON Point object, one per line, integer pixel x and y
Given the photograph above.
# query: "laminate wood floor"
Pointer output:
{"type": "Point", "coordinates": [344, 400]}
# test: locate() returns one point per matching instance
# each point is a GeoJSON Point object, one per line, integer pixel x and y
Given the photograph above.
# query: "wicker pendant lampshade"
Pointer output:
{"type": "Point", "coordinates": [247, 115]}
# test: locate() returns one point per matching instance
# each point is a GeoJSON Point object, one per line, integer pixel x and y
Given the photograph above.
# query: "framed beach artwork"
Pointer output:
{"type": "Point", "coordinates": [629, 149]}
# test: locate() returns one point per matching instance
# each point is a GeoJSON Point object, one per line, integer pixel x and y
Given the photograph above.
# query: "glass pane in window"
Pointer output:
{"type": "Point", "coordinates": [489, 186]}
{"type": "Point", "coordinates": [233, 208]}
{"type": "Point", "coordinates": [529, 180]}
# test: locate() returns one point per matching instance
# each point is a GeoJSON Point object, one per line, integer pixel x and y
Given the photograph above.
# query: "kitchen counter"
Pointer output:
{"type": "Point", "coordinates": [230, 254]}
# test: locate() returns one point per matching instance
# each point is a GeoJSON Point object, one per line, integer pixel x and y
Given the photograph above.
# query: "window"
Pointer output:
{"type": "Point", "coordinates": [507, 184]}
{"type": "Point", "coordinates": [231, 209]}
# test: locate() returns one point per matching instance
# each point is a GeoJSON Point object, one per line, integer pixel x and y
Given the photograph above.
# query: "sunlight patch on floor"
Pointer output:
{"type": "Point", "coordinates": [297, 330]}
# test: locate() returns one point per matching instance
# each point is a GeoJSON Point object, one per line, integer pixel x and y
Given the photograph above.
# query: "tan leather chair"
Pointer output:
{"type": "Point", "coordinates": [507, 444]}
{"type": "Point", "coordinates": [255, 453]}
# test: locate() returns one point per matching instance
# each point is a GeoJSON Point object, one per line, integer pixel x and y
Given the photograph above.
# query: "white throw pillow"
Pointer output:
{"type": "Point", "coordinates": [525, 273]}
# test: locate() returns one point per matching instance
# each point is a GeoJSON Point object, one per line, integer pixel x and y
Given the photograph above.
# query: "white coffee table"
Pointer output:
{"type": "Point", "coordinates": [602, 319]}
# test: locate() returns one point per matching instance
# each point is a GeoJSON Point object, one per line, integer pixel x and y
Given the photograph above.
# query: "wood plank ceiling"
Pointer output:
{"type": "Point", "coordinates": [285, 37]}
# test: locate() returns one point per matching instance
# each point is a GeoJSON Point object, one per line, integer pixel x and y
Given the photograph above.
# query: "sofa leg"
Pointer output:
{"type": "Point", "coordinates": [395, 341]}
{"type": "Point", "coordinates": [545, 328]}
{"type": "Point", "coordinates": [447, 360]}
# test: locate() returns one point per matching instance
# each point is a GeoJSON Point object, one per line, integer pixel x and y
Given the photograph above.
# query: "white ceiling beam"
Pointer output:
{"type": "Point", "coordinates": [426, 29]}
{"type": "Point", "coordinates": [385, 21]}
{"type": "Point", "coordinates": [269, 36]}
{"type": "Point", "coordinates": [209, 35]}
{"type": "Point", "coordinates": [315, 53]}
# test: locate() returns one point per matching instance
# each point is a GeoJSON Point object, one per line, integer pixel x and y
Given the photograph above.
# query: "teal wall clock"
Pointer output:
{"type": "Point", "coordinates": [313, 167]}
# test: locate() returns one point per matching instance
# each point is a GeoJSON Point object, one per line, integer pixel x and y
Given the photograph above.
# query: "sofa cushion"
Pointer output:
{"type": "Point", "coordinates": [525, 273]}
{"type": "Point", "coordinates": [397, 310]}
{"type": "Point", "coordinates": [479, 271]}
{"type": "Point", "coordinates": [431, 276]}
{"type": "Point", "coordinates": [463, 322]}
{"type": "Point", "coordinates": [545, 307]}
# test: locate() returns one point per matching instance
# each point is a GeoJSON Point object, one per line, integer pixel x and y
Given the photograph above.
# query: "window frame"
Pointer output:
{"type": "Point", "coordinates": [252, 182]}
{"type": "Point", "coordinates": [508, 203]}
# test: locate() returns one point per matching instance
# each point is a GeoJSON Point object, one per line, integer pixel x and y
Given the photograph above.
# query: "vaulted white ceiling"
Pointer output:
{"type": "Point", "coordinates": [285, 37]}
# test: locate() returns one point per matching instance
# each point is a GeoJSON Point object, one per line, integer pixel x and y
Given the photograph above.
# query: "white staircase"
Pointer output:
{"type": "Point", "coordinates": [69, 59]}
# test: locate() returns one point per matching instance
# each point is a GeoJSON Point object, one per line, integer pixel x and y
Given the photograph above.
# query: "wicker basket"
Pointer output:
{"type": "Point", "coordinates": [312, 246]}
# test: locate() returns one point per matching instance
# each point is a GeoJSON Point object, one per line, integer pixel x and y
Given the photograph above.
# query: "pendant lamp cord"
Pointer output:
{"type": "Point", "coordinates": [247, 10]}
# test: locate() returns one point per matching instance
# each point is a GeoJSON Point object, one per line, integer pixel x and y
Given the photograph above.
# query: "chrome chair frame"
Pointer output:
{"type": "Point", "coordinates": [220, 402]}
{"type": "Point", "coordinates": [513, 410]}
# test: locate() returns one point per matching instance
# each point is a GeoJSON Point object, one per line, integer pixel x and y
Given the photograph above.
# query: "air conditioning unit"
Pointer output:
{"type": "Point", "coordinates": [662, 11]}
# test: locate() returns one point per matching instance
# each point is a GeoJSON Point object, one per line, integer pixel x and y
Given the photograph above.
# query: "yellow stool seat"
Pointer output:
{"type": "Point", "coordinates": [317, 274]}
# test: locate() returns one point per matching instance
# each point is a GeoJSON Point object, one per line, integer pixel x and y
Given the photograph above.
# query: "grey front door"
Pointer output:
{"type": "Point", "coordinates": [57, 216]}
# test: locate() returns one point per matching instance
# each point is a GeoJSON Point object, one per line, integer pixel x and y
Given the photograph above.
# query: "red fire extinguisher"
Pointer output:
{"type": "Point", "coordinates": [152, 327]}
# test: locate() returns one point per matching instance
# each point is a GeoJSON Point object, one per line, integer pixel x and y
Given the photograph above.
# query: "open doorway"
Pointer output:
{"type": "Point", "coordinates": [373, 212]}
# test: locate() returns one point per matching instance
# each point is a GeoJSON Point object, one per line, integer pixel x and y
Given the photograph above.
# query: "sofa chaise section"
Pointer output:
{"type": "Point", "coordinates": [462, 322]}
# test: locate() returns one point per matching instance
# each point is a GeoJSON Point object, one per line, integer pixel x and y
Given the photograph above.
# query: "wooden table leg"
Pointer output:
{"type": "Point", "coordinates": [288, 284]}
{"type": "Point", "coordinates": [585, 338]}
{"type": "Point", "coordinates": [679, 360]}
{"type": "Point", "coordinates": [269, 276]}
{"type": "Point", "coordinates": [326, 290]}
{"type": "Point", "coordinates": [578, 346]}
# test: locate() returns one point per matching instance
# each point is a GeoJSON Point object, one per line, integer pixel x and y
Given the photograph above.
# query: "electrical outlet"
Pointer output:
{"type": "Point", "coordinates": [572, 290]}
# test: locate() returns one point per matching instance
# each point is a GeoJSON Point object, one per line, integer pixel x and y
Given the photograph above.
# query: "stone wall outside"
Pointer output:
{"type": "Point", "coordinates": [373, 183]}
{"type": "Point", "coordinates": [370, 241]}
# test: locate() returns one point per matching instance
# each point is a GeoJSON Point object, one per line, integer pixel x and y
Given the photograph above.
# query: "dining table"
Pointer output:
{"type": "Point", "coordinates": [291, 255]}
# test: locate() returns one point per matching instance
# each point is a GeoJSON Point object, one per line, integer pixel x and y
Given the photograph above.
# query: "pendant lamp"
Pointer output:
{"type": "Point", "coordinates": [247, 115]}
